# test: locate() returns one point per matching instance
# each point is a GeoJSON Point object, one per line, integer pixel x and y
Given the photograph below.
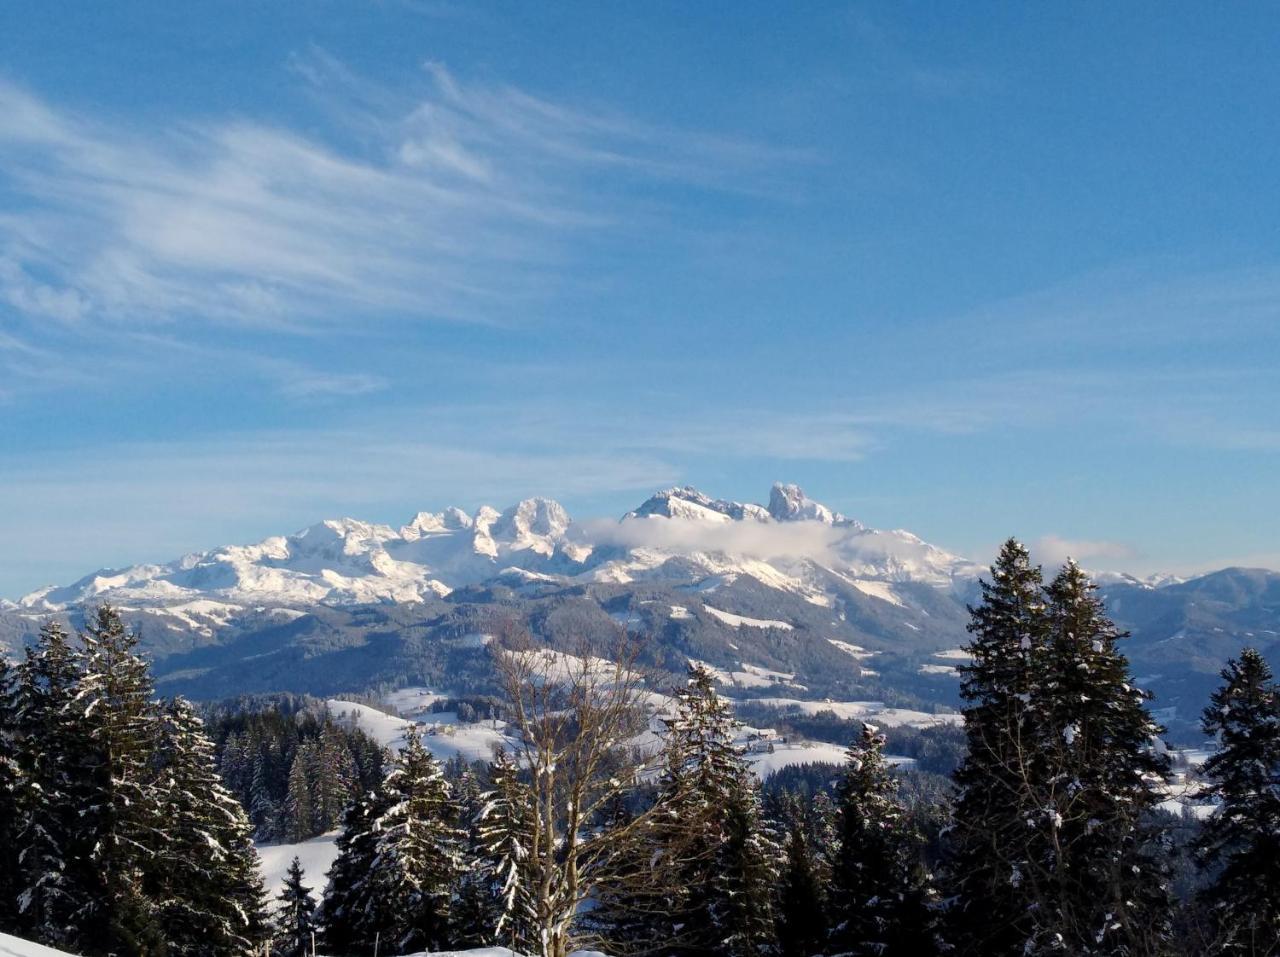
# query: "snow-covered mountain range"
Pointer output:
{"type": "Point", "coordinates": [792, 544]}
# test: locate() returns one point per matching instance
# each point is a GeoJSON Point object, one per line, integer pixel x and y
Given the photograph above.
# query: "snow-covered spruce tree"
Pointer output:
{"type": "Point", "coordinates": [504, 831]}
{"type": "Point", "coordinates": [475, 906]}
{"type": "Point", "coordinates": [713, 866]}
{"type": "Point", "coordinates": [879, 899]}
{"type": "Point", "coordinates": [1240, 845]}
{"type": "Point", "coordinates": [10, 805]}
{"type": "Point", "coordinates": [802, 917]}
{"type": "Point", "coordinates": [295, 915]}
{"type": "Point", "coordinates": [988, 839]}
{"type": "Point", "coordinates": [418, 857]}
{"type": "Point", "coordinates": [54, 767]}
{"type": "Point", "coordinates": [349, 916]}
{"type": "Point", "coordinates": [205, 879]}
{"type": "Point", "coordinates": [1095, 881]}
{"type": "Point", "coordinates": [120, 819]}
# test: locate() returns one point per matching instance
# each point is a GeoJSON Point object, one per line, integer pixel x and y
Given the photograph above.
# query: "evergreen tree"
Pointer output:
{"type": "Point", "coordinates": [988, 841]}
{"type": "Point", "coordinates": [802, 919]}
{"type": "Point", "coordinates": [335, 778]}
{"type": "Point", "coordinates": [350, 914]}
{"type": "Point", "coordinates": [879, 897]}
{"type": "Point", "coordinates": [714, 865]}
{"type": "Point", "coordinates": [299, 810]}
{"type": "Point", "coordinates": [1096, 883]}
{"type": "Point", "coordinates": [475, 909]}
{"type": "Point", "coordinates": [295, 922]}
{"type": "Point", "coordinates": [505, 833]}
{"type": "Point", "coordinates": [417, 861]}
{"type": "Point", "coordinates": [10, 801]}
{"type": "Point", "coordinates": [54, 766]}
{"type": "Point", "coordinates": [120, 816]}
{"type": "Point", "coordinates": [208, 890]}
{"type": "Point", "coordinates": [1240, 844]}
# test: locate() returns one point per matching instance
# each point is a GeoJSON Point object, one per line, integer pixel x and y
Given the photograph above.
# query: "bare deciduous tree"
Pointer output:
{"type": "Point", "coordinates": [582, 720]}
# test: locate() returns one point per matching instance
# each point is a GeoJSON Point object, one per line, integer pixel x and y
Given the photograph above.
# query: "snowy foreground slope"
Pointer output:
{"type": "Point", "coordinates": [15, 947]}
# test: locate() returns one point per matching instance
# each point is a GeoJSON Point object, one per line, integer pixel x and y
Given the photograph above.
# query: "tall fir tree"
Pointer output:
{"type": "Point", "coordinates": [802, 917]}
{"type": "Point", "coordinates": [209, 894]}
{"type": "Point", "coordinates": [1097, 883]}
{"type": "Point", "coordinates": [418, 856]}
{"type": "Point", "coordinates": [988, 840]}
{"type": "Point", "coordinates": [349, 915]}
{"type": "Point", "coordinates": [299, 807]}
{"type": "Point", "coordinates": [121, 729]}
{"type": "Point", "coordinates": [713, 863]}
{"type": "Point", "coordinates": [1240, 844]}
{"type": "Point", "coordinates": [54, 763]}
{"type": "Point", "coordinates": [295, 915]}
{"type": "Point", "coordinates": [335, 778]}
{"type": "Point", "coordinates": [10, 800]}
{"type": "Point", "coordinates": [880, 900]}
{"type": "Point", "coordinates": [504, 829]}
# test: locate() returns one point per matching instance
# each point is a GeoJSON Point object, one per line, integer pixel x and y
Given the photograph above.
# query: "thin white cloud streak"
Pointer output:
{"type": "Point", "coordinates": [1053, 550]}
{"type": "Point", "coordinates": [462, 207]}
{"type": "Point", "coordinates": [758, 540]}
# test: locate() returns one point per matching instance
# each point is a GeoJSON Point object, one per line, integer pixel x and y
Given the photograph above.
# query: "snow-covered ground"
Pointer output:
{"type": "Point", "coordinates": [16, 947]}
{"type": "Point", "coordinates": [738, 621]}
{"type": "Point", "coordinates": [874, 711]}
{"type": "Point", "coordinates": [442, 734]}
{"type": "Point", "coordinates": [316, 857]}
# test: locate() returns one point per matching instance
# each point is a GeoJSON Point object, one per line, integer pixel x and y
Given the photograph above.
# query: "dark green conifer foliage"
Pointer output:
{"type": "Point", "coordinates": [120, 819]}
{"type": "Point", "coordinates": [714, 863]}
{"type": "Point", "coordinates": [880, 901]}
{"type": "Point", "coordinates": [10, 804]}
{"type": "Point", "coordinates": [52, 760]}
{"type": "Point", "coordinates": [988, 841]}
{"type": "Point", "coordinates": [504, 829]}
{"type": "Point", "coordinates": [299, 810]}
{"type": "Point", "coordinates": [349, 916]}
{"type": "Point", "coordinates": [802, 919]}
{"type": "Point", "coordinates": [1097, 885]}
{"type": "Point", "coordinates": [1240, 844]}
{"type": "Point", "coordinates": [295, 921]}
{"type": "Point", "coordinates": [209, 895]}
{"type": "Point", "coordinates": [418, 856]}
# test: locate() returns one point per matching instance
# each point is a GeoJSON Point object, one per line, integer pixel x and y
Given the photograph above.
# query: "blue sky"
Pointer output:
{"type": "Point", "coordinates": [972, 270]}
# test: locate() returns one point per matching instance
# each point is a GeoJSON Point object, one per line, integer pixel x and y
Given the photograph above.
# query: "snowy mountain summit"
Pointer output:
{"type": "Point", "coordinates": [679, 535]}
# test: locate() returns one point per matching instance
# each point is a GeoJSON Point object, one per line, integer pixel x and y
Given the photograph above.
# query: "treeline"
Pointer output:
{"type": "Point", "coordinates": [116, 835]}
{"type": "Point", "coordinates": [291, 765]}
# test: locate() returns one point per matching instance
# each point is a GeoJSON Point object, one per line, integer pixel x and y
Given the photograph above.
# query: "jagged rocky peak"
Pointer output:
{"type": "Point", "coordinates": [534, 516]}
{"type": "Point", "coordinates": [435, 523]}
{"type": "Point", "coordinates": [688, 502]}
{"type": "Point", "coordinates": [788, 503]}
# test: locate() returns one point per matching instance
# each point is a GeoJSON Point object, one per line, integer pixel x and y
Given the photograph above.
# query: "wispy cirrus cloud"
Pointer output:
{"type": "Point", "coordinates": [1053, 550]}
{"type": "Point", "coordinates": [461, 203]}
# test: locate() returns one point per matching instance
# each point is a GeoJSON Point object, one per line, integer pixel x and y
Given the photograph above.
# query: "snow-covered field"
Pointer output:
{"type": "Point", "coordinates": [316, 857]}
{"type": "Point", "coordinates": [738, 621]}
{"type": "Point", "coordinates": [16, 947]}
{"type": "Point", "coordinates": [444, 738]}
{"type": "Point", "coordinates": [874, 711]}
